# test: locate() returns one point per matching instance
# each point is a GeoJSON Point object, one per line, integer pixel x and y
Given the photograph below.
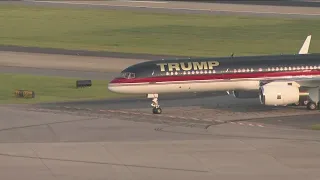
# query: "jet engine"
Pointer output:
{"type": "Point", "coordinates": [245, 94]}
{"type": "Point", "coordinates": [279, 95]}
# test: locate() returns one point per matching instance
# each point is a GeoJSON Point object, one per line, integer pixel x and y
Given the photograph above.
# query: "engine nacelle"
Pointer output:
{"type": "Point", "coordinates": [245, 94]}
{"type": "Point", "coordinates": [279, 95]}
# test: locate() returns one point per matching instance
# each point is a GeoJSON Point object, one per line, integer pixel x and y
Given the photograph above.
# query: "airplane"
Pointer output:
{"type": "Point", "coordinates": [277, 80]}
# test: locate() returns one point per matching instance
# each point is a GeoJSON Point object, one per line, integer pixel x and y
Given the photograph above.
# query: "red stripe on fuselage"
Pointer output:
{"type": "Point", "coordinates": [217, 76]}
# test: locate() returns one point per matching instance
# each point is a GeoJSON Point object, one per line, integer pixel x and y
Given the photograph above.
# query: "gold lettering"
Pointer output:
{"type": "Point", "coordinates": [188, 66]}
{"type": "Point", "coordinates": [212, 64]}
{"type": "Point", "coordinates": [162, 66]}
{"type": "Point", "coordinates": [200, 66]}
{"type": "Point", "coordinates": [183, 67]}
{"type": "Point", "coordinates": [172, 66]}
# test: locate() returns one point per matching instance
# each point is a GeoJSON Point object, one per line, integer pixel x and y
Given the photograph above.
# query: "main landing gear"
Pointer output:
{"type": "Point", "coordinates": [313, 104]}
{"type": "Point", "coordinates": [155, 105]}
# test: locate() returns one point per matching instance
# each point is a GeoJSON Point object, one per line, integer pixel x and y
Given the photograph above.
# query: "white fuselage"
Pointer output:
{"type": "Point", "coordinates": [185, 86]}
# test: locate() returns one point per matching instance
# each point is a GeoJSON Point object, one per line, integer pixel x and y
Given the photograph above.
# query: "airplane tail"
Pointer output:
{"type": "Point", "coordinates": [305, 47]}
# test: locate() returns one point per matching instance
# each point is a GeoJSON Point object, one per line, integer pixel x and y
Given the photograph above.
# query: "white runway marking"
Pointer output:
{"type": "Point", "coordinates": [146, 114]}
{"type": "Point", "coordinates": [183, 118]}
{"type": "Point", "coordinates": [218, 120]}
{"type": "Point", "coordinates": [168, 116]}
{"type": "Point", "coordinates": [247, 124]}
{"type": "Point", "coordinates": [135, 113]}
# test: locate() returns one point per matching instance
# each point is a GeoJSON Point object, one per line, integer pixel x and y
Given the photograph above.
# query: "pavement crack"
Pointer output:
{"type": "Point", "coordinates": [108, 151]}
{"type": "Point", "coordinates": [38, 157]}
{"type": "Point", "coordinates": [105, 163]}
{"type": "Point", "coordinates": [55, 136]}
{"type": "Point", "coordinates": [46, 124]}
{"type": "Point", "coordinates": [198, 160]}
{"type": "Point", "coordinates": [237, 136]}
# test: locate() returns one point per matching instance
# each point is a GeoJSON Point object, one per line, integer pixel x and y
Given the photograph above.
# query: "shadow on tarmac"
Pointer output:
{"type": "Point", "coordinates": [216, 100]}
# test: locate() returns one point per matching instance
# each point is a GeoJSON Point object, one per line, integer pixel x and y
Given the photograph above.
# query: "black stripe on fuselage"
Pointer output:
{"type": "Point", "coordinates": [224, 65]}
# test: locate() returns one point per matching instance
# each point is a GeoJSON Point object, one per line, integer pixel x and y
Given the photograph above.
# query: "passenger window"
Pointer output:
{"type": "Point", "coordinates": [279, 96]}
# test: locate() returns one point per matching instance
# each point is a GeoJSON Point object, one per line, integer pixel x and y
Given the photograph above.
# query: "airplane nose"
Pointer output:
{"type": "Point", "coordinates": [114, 85]}
{"type": "Point", "coordinates": [111, 86]}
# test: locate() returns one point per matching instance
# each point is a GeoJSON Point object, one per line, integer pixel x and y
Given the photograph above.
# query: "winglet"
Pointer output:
{"type": "Point", "coordinates": [305, 47]}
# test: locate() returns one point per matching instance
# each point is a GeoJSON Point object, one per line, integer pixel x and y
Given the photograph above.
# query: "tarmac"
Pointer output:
{"type": "Point", "coordinates": [198, 136]}
{"type": "Point", "coordinates": [47, 143]}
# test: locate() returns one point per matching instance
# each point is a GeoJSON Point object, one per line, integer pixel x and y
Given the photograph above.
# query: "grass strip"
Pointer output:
{"type": "Point", "coordinates": [50, 89]}
{"type": "Point", "coordinates": [153, 33]}
{"type": "Point", "coordinates": [315, 127]}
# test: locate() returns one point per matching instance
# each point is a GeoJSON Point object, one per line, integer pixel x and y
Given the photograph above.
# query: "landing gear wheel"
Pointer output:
{"type": "Point", "coordinates": [157, 110]}
{"type": "Point", "coordinates": [155, 106]}
{"type": "Point", "coordinates": [311, 106]}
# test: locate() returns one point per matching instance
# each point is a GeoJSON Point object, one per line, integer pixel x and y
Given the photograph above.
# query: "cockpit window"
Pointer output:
{"type": "Point", "coordinates": [128, 75]}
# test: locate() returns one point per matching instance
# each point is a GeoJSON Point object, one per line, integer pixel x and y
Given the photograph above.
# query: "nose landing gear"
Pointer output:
{"type": "Point", "coordinates": [155, 105]}
{"type": "Point", "coordinates": [157, 110]}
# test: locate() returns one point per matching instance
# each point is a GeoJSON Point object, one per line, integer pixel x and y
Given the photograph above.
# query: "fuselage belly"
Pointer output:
{"type": "Point", "coordinates": [176, 87]}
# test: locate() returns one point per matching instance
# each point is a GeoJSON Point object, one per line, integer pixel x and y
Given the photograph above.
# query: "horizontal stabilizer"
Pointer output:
{"type": "Point", "coordinates": [305, 47]}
